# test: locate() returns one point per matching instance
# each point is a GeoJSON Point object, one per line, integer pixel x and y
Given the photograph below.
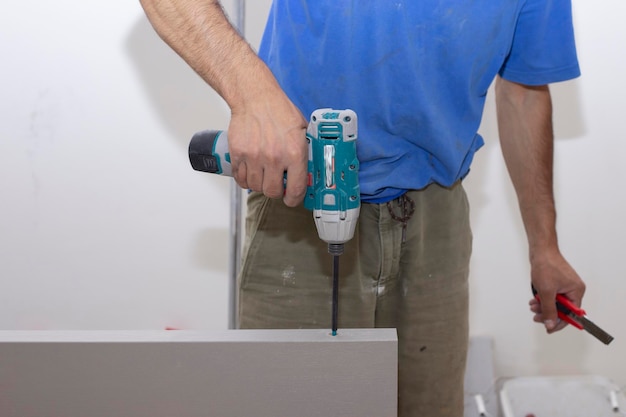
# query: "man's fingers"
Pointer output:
{"type": "Point", "coordinates": [549, 314]}
{"type": "Point", "coordinates": [560, 324]}
{"type": "Point", "coordinates": [273, 183]}
{"type": "Point", "coordinates": [240, 174]}
{"type": "Point", "coordinates": [535, 306]}
{"type": "Point", "coordinates": [296, 185]}
{"type": "Point", "coordinates": [297, 172]}
{"type": "Point", "coordinates": [538, 317]}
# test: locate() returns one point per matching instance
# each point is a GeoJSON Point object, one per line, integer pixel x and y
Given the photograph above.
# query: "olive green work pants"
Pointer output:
{"type": "Point", "coordinates": [416, 283]}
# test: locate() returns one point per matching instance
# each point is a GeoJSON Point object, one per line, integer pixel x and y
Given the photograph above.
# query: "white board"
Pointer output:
{"type": "Point", "coordinates": [236, 373]}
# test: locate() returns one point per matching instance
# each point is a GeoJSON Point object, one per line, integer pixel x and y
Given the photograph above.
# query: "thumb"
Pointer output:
{"type": "Point", "coordinates": [549, 314]}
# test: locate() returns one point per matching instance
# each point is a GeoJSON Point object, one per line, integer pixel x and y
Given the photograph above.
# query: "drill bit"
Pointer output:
{"type": "Point", "coordinates": [335, 293]}
{"type": "Point", "coordinates": [335, 249]}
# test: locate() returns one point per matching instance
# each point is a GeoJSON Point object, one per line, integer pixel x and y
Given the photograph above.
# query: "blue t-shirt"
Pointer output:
{"type": "Point", "coordinates": [416, 72]}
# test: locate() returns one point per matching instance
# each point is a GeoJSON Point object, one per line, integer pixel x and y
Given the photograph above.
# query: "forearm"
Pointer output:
{"type": "Point", "coordinates": [266, 134]}
{"type": "Point", "coordinates": [525, 127]}
{"type": "Point", "coordinates": [201, 34]}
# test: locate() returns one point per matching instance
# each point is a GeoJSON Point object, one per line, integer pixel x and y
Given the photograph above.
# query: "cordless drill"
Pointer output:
{"type": "Point", "coordinates": [333, 177]}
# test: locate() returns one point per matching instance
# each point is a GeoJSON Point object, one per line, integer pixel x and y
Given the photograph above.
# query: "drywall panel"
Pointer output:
{"type": "Point", "coordinates": [235, 373]}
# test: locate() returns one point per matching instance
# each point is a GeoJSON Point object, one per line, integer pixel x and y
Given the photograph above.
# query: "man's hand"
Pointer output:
{"type": "Point", "coordinates": [551, 275]}
{"type": "Point", "coordinates": [265, 144]}
{"type": "Point", "coordinates": [525, 126]}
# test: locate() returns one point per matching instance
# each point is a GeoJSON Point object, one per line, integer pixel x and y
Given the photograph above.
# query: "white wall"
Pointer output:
{"type": "Point", "coordinates": [103, 224]}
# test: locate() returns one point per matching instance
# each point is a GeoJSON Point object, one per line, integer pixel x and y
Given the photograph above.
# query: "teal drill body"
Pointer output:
{"type": "Point", "coordinates": [333, 170]}
{"type": "Point", "coordinates": [333, 185]}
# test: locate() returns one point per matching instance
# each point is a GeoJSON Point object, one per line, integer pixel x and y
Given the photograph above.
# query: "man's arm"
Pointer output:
{"type": "Point", "coordinates": [525, 127]}
{"type": "Point", "coordinates": [267, 132]}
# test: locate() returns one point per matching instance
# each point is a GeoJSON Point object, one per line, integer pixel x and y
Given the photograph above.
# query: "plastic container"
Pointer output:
{"type": "Point", "coordinates": [571, 396]}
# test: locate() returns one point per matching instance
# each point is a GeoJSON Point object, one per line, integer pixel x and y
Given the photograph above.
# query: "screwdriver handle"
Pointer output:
{"type": "Point", "coordinates": [565, 313]}
{"type": "Point", "coordinates": [566, 309]}
{"type": "Point", "coordinates": [560, 298]}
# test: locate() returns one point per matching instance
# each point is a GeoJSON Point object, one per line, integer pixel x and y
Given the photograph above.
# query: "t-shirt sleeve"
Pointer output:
{"type": "Point", "coordinates": [543, 50]}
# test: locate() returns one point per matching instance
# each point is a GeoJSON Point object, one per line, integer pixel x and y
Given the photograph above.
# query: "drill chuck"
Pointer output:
{"type": "Point", "coordinates": [335, 249]}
